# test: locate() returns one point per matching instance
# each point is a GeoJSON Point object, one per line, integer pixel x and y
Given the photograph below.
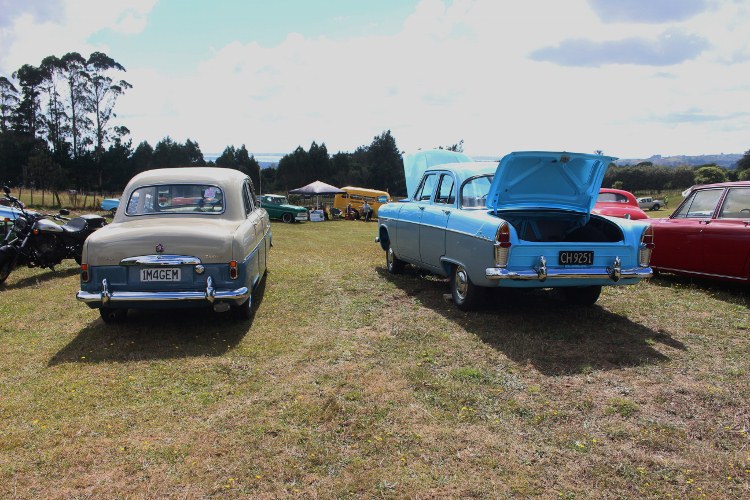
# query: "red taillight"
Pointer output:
{"type": "Point", "coordinates": [84, 272]}
{"type": "Point", "coordinates": [648, 237]}
{"type": "Point", "coordinates": [233, 270]}
{"type": "Point", "coordinates": [36, 232]}
{"type": "Point", "coordinates": [503, 235]}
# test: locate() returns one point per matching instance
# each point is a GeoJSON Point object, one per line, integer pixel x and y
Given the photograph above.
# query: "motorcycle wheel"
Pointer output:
{"type": "Point", "coordinates": [6, 266]}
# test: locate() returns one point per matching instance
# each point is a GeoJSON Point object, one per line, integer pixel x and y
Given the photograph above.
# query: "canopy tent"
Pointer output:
{"type": "Point", "coordinates": [317, 188]}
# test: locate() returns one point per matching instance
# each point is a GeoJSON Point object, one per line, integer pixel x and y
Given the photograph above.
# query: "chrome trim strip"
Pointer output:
{"type": "Point", "coordinates": [238, 296]}
{"type": "Point", "coordinates": [494, 273]}
{"type": "Point", "coordinates": [696, 273]}
{"type": "Point", "coordinates": [160, 260]}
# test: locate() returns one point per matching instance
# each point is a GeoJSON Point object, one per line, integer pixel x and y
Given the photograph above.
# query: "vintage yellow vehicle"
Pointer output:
{"type": "Point", "coordinates": [355, 197]}
{"type": "Point", "coordinates": [182, 237]}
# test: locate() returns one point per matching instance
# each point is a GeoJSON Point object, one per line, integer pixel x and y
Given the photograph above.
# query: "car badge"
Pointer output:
{"type": "Point", "coordinates": [160, 248]}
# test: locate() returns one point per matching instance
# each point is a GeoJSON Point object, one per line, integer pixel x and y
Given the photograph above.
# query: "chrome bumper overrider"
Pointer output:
{"type": "Point", "coordinates": [210, 294]}
{"type": "Point", "coordinates": [541, 272]}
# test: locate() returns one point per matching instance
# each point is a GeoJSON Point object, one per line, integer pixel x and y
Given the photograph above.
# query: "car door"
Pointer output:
{"type": "Point", "coordinates": [434, 221]}
{"type": "Point", "coordinates": [678, 239]}
{"type": "Point", "coordinates": [252, 232]}
{"type": "Point", "coordinates": [726, 238]}
{"type": "Point", "coordinates": [411, 217]}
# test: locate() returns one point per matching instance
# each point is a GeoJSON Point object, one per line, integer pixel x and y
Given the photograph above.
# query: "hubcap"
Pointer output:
{"type": "Point", "coordinates": [462, 282]}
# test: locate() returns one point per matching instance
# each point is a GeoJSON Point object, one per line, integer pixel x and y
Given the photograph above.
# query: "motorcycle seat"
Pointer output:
{"type": "Point", "coordinates": [75, 225]}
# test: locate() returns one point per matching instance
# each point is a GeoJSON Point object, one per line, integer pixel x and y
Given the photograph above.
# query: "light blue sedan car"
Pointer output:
{"type": "Point", "coordinates": [524, 222]}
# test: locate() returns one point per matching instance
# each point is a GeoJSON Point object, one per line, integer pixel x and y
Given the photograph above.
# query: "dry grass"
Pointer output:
{"type": "Point", "coordinates": [350, 382]}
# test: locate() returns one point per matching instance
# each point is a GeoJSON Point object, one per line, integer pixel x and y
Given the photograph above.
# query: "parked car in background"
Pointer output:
{"type": "Point", "coordinates": [110, 204]}
{"type": "Point", "coordinates": [524, 222]}
{"type": "Point", "coordinates": [618, 203]}
{"type": "Point", "coordinates": [648, 203]}
{"type": "Point", "coordinates": [278, 207]}
{"type": "Point", "coordinates": [355, 198]}
{"type": "Point", "coordinates": [185, 237]}
{"type": "Point", "coordinates": [708, 235]}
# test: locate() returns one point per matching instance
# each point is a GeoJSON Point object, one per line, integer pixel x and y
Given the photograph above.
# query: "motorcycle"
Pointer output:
{"type": "Point", "coordinates": [35, 241]}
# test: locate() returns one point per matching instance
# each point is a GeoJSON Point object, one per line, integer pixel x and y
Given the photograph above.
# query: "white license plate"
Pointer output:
{"type": "Point", "coordinates": [568, 258]}
{"type": "Point", "coordinates": [161, 274]}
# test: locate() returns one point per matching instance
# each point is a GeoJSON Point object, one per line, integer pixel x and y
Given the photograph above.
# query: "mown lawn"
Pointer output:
{"type": "Point", "coordinates": [350, 382]}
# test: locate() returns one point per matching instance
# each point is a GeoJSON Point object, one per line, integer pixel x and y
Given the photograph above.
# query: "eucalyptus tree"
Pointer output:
{"type": "Point", "coordinates": [8, 103]}
{"type": "Point", "coordinates": [103, 92]}
{"type": "Point", "coordinates": [56, 117]}
{"type": "Point", "coordinates": [73, 70]}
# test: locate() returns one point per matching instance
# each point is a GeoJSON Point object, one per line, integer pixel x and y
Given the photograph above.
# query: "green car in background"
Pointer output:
{"type": "Point", "coordinates": [278, 207]}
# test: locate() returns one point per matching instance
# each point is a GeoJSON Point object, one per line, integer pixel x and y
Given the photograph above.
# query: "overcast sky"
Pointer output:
{"type": "Point", "coordinates": [630, 77]}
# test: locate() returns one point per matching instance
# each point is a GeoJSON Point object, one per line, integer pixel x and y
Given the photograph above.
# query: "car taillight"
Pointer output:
{"type": "Point", "coordinates": [647, 246]}
{"type": "Point", "coordinates": [502, 245]}
{"type": "Point", "coordinates": [84, 273]}
{"type": "Point", "coordinates": [233, 270]}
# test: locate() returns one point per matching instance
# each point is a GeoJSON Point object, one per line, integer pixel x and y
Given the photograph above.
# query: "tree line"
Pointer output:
{"type": "Point", "coordinates": [646, 176]}
{"type": "Point", "coordinates": [58, 130]}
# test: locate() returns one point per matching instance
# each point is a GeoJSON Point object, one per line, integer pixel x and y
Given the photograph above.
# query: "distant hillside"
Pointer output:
{"type": "Point", "coordinates": [722, 160]}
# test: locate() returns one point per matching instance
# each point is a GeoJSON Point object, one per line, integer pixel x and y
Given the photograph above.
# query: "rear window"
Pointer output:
{"type": "Point", "coordinates": [176, 199]}
{"type": "Point", "coordinates": [612, 198]}
{"type": "Point", "coordinates": [474, 192]}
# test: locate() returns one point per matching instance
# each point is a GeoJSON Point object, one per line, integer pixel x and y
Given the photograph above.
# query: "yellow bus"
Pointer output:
{"type": "Point", "coordinates": [356, 196]}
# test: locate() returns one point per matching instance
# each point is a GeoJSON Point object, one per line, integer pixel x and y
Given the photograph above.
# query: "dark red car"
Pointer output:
{"type": "Point", "coordinates": [618, 203]}
{"type": "Point", "coordinates": [708, 235]}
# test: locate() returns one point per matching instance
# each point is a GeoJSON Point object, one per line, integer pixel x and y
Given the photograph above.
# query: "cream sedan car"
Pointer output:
{"type": "Point", "coordinates": [182, 237]}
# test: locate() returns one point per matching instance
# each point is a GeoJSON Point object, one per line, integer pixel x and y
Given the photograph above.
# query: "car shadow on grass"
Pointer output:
{"type": "Point", "coordinates": [43, 276]}
{"type": "Point", "coordinates": [149, 334]}
{"type": "Point", "coordinates": [730, 292]}
{"type": "Point", "coordinates": [538, 328]}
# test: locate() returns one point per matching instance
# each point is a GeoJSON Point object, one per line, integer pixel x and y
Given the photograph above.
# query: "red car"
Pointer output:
{"type": "Point", "coordinates": [708, 235]}
{"type": "Point", "coordinates": [618, 203]}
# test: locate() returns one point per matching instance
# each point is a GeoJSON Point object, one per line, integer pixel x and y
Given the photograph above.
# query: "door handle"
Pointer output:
{"type": "Point", "coordinates": [421, 208]}
{"type": "Point", "coordinates": [447, 212]}
{"type": "Point", "coordinates": [706, 222]}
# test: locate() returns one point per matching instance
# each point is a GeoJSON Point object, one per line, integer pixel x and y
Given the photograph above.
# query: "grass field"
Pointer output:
{"type": "Point", "coordinates": [350, 382]}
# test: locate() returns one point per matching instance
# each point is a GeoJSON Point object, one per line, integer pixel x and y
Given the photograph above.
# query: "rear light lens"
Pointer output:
{"type": "Point", "coordinates": [502, 245]}
{"type": "Point", "coordinates": [233, 270]}
{"type": "Point", "coordinates": [85, 273]}
{"type": "Point", "coordinates": [647, 246]}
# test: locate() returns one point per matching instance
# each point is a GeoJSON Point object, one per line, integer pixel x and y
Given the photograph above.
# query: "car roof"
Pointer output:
{"type": "Point", "coordinates": [186, 175]}
{"type": "Point", "coordinates": [722, 184]}
{"type": "Point", "coordinates": [466, 170]}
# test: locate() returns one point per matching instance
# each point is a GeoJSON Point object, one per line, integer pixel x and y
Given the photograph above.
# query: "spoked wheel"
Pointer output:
{"type": "Point", "coordinates": [466, 295]}
{"type": "Point", "coordinates": [6, 266]}
{"type": "Point", "coordinates": [582, 296]}
{"type": "Point", "coordinates": [393, 263]}
{"type": "Point", "coordinates": [287, 218]}
{"type": "Point", "coordinates": [110, 315]}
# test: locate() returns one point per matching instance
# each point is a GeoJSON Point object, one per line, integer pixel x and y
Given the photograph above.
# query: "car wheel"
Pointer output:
{"type": "Point", "coordinates": [6, 266]}
{"type": "Point", "coordinates": [465, 294]}
{"type": "Point", "coordinates": [656, 207]}
{"type": "Point", "coordinates": [244, 311]}
{"type": "Point", "coordinates": [287, 218]}
{"type": "Point", "coordinates": [393, 263]}
{"type": "Point", "coordinates": [582, 296]}
{"type": "Point", "coordinates": [110, 315]}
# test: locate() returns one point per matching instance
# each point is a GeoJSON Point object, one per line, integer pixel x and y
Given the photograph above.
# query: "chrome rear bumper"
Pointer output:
{"type": "Point", "coordinates": [542, 273]}
{"type": "Point", "coordinates": [209, 295]}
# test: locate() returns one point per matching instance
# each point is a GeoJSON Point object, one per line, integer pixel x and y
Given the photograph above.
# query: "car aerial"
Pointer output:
{"type": "Point", "coordinates": [110, 205]}
{"type": "Point", "coordinates": [618, 203]}
{"type": "Point", "coordinates": [708, 235]}
{"type": "Point", "coordinates": [184, 237]}
{"type": "Point", "coordinates": [278, 207]}
{"type": "Point", "coordinates": [648, 203]}
{"type": "Point", "coordinates": [524, 222]}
